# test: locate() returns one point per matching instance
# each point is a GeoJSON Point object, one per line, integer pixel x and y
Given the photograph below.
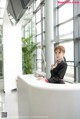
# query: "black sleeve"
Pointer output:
{"type": "Point", "coordinates": [60, 74]}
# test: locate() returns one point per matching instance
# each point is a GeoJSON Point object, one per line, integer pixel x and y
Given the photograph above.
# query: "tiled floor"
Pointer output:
{"type": "Point", "coordinates": [9, 105]}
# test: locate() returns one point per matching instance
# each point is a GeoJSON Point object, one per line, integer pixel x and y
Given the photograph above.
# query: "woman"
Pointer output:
{"type": "Point", "coordinates": [58, 70]}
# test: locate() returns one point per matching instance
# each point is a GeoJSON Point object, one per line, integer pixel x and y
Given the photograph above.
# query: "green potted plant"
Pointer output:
{"type": "Point", "coordinates": [28, 54]}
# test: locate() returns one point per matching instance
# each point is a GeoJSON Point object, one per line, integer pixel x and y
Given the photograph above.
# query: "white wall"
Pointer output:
{"type": "Point", "coordinates": [12, 53]}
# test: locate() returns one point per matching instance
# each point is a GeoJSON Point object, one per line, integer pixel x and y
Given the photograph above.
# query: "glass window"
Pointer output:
{"type": "Point", "coordinates": [43, 11]}
{"type": "Point", "coordinates": [65, 12]}
{"type": "Point", "coordinates": [1, 21]}
{"type": "Point", "coordinates": [38, 16]}
{"type": "Point", "coordinates": [29, 29]}
{"type": "Point", "coordinates": [43, 38]}
{"type": "Point", "coordinates": [39, 39]}
{"type": "Point", "coordinates": [2, 7]}
{"type": "Point", "coordinates": [69, 55]}
{"type": "Point", "coordinates": [1, 53]}
{"type": "Point", "coordinates": [39, 67]}
{"type": "Point", "coordinates": [1, 12]}
{"type": "Point", "coordinates": [26, 34]}
{"type": "Point", "coordinates": [31, 9]}
{"type": "Point", "coordinates": [69, 47]}
{"type": "Point", "coordinates": [43, 24]}
{"type": "Point", "coordinates": [2, 3]}
{"type": "Point", "coordinates": [39, 54]}
{"type": "Point", "coordinates": [66, 30]}
{"type": "Point", "coordinates": [38, 27]}
{"type": "Point", "coordinates": [37, 3]}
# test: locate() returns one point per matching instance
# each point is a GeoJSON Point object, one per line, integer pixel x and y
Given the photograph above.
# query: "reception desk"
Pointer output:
{"type": "Point", "coordinates": [40, 100]}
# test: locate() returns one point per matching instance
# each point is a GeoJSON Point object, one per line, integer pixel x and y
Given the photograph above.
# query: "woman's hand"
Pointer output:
{"type": "Point", "coordinates": [53, 66]}
{"type": "Point", "coordinates": [41, 78]}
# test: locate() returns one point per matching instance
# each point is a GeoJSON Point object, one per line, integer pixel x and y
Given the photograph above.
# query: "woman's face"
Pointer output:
{"type": "Point", "coordinates": [59, 55]}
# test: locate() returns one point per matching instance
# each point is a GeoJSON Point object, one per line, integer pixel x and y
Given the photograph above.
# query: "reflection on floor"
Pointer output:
{"type": "Point", "coordinates": [8, 105]}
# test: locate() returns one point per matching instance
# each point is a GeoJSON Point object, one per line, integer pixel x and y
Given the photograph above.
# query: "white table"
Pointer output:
{"type": "Point", "coordinates": [41, 100]}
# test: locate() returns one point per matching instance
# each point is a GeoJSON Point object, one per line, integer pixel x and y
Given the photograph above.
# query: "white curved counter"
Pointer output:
{"type": "Point", "coordinates": [40, 100]}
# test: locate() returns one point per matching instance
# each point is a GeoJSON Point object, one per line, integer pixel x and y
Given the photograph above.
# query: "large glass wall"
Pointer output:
{"type": "Point", "coordinates": [35, 25]}
{"type": "Point", "coordinates": [64, 33]}
{"type": "Point", "coordinates": [1, 52]}
{"type": "Point", "coordinates": [40, 35]}
{"type": "Point", "coordinates": [2, 7]}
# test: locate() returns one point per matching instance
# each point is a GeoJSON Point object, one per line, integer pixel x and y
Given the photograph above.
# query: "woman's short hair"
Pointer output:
{"type": "Point", "coordinates": [60, 47]}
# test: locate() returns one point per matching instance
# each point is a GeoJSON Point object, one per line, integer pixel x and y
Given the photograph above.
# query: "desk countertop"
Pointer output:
{"type": "Point", "coordinates": [31, 80]}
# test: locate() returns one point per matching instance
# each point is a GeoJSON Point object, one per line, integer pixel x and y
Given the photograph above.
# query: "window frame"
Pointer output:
{"type": "Point", "coordinates": [56, 28]}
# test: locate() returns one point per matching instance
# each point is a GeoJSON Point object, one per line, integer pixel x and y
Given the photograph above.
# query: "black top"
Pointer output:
{"type": "Point", "coordinates": [57, 74]}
